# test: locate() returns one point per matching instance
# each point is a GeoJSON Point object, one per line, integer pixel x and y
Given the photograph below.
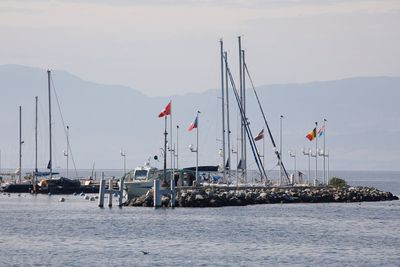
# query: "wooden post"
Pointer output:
{"type": "Point", "coordinates": [110, 186]}
{"type": "Point", "coordinates": [102, 191]}
{"type": "Point", "coordinates": [156, 194]}
{"type": "Point", "coordinates": [121, 191]}
{"type": "Point", "coordinates": [173, 193]}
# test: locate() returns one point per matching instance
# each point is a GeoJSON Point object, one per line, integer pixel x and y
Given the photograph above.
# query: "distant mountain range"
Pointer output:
{"type": "Point", "coordinates": [363, 125]}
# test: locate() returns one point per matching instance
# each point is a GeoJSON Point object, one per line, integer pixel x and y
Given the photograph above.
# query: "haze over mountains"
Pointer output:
{"type": "Point", "coordinates": [362, 132]}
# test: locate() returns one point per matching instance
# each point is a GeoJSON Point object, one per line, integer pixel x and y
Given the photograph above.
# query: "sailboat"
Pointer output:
{"type": "Point", "coordinates": [55, 185]}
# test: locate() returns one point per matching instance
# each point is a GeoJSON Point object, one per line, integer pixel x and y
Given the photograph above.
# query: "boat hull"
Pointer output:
{"type": "Point", "coordinates": [136, 189]}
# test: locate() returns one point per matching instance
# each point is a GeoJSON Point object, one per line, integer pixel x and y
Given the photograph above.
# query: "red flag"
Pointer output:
{"type": "Point", "coordinates": [166, 111]}
{"type": "Point", "coordinates": [259, 136]}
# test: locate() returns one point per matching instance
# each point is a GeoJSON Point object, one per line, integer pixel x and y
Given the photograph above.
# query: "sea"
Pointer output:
{"type": "Point", "coordinates": [42, 231]}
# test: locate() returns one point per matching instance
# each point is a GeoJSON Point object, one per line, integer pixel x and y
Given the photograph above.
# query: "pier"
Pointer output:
{"type": "Point", "coordinates": [241, 196]}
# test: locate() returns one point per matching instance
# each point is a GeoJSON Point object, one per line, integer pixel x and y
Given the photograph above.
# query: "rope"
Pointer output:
{"type": "Point", "coordinates": [64, 127]}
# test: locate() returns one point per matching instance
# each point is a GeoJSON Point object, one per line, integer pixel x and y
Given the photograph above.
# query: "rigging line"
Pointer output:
{"type": "Point", "coordinates": [266, 123]}
{"type": "Point", "coordinates": [64, 127]}
{"type": "Point", "coordinates": [247, 128]}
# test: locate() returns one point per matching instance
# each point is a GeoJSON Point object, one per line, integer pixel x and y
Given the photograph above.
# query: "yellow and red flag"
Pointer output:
{"type": "Point", "coordinates": [312, 135]}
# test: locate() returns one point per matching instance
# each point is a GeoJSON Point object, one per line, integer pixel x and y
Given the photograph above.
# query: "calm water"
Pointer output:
{"type": "Point", "coordinates": [41, 231]}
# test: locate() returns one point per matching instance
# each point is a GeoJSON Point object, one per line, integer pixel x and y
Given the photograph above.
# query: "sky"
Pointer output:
{"type": "Point", "coordinates": [163, 48]}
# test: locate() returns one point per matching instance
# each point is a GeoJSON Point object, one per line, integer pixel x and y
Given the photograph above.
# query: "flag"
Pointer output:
{"type": "Point", "coordinates": [311, 135]}
{"type": "Point", "coordinates": [166, 111]}
{"type": "Point", "coordinates": [192, 125]}
{"type": "Point", "coordinates": [321, 131]}
{"type": "Point", "coordinates": [49, 165]}
{"type": "Point", "coordinates": [259, 136]}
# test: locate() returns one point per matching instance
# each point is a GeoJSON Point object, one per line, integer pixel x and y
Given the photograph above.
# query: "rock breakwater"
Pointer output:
{"type": "Point", "coordinates": [219, 197]}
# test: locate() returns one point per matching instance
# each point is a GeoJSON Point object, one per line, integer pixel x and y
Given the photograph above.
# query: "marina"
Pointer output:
{"type": "Point", "coordinates": [78, 233]}
{"type": "Point", "coordinates": [199, 133]}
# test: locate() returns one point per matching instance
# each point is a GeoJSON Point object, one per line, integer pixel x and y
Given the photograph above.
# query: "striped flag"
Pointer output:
{"type": "Point", "coordinates": [312, 134]}
{"type": "Point", "coordinates": [193, 125]}
{"type": "Point", "coordinates": [321, 131]}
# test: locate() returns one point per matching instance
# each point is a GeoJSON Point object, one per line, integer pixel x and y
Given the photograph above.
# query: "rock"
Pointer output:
{"type": "Point", "coordinates": [218, 197]}
{"type": "Point", "coordinates": [199, 197]}
{"type": "Point", "coordinates": [62, 199]}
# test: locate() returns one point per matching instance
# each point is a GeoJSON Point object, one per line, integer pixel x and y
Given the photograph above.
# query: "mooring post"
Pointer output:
{"type": "Point", "coordinates": [110, 187]}
{"type": "Point", "coordinates": [156, 194]}
{"type": "Point", "coordinates": [173, 192]}
{"type": "Point", "coordinates": [102, 191]}
{"type": "Point", "coordinates": [121, 191]}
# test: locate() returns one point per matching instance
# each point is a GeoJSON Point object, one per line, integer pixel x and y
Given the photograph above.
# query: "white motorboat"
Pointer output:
{"type": "Point", "coordinates": [140, 180]}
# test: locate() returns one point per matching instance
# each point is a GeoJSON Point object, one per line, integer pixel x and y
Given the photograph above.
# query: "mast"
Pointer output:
{"type": "Point", "coordinates": [280, 150]}
{"type": "Point", "coordinates": [248, 130]}
{"type": "Point", "coordinates": [241, 100]}
{"type": "Point", "coordinates": [36, 130]}
{"type": "Point", "coordinates": [50, 165]}
{"type": "Point", "coordinates": [324, 153]}
{"type": "Point", "coordinates": [266, 124]}
{"type": "Point", "coordinates": [316, 155]}
{"type": "Point", "coordinates": [223, 109]}
{"type": "Point", "coordinates": [227, 111]}
{"type": "Point", "coordinates": [68, 148]}
{"type": "Point", "coordinates": [20, 143]}
{"type": "Point", "coordinates": [244, 113]}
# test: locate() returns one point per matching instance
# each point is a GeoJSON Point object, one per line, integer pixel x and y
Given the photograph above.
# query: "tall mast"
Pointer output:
{"type": "Point", "coordinates": [241, 100]}
{"type": "Point", "coordinates": [316, 155]}
{"type": "Point", "coordinates": [244, 113]}
{"type": "Point", "coordinates": [50, 165]}
{"type": "Point", "coordinates": [277, 153]}
{"type": "Point", "coordinates": [324, 152]}
{"type": "Point", "coordinates": [36, 128]}
{"type": "Point", "coordinates": [68, 148]}
{"type": "Point", "coordinates": [227, 110]}
{"type": "Point", "coordinates": [223, 109]}
{"type": "Point", "coordinates": [20, 143]}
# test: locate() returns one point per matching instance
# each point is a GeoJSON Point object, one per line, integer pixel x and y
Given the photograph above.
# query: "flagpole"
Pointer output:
{"type": "Point", "coordinates": [177, 147]}
{"type": "Point", "coordinates": [165, 148]}
{"type": "Point", "coordinates": [170, 140]}
{"type": "Point", "coordinates": [325, 181]}
{"type": "Point", "coordinates": [197, 149]}
{"type": "Point", "coordinates": [316, 154]}
{"type": "Point", "coordinates": [263, 150]}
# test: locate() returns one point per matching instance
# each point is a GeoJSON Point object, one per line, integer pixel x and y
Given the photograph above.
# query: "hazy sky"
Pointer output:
{"type": "Point", "coordinates": [171, 47]}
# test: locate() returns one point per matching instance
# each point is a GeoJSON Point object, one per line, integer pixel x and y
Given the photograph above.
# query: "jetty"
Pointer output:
{"type": "Point", "coordinates": [242, 196]}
